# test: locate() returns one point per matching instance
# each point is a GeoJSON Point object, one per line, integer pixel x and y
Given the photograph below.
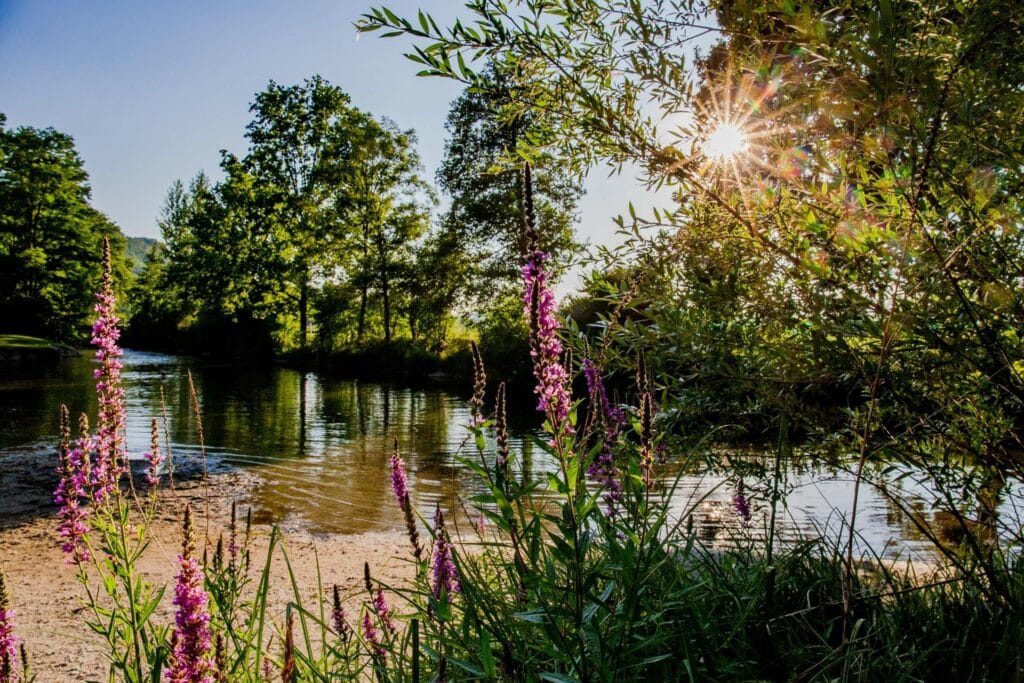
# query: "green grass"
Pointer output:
{"type": "Point", "coordinates": [20, 341]}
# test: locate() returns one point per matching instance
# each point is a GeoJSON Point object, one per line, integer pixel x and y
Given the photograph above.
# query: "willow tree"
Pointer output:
{"type": "Point", "coordinates": [846, 186]}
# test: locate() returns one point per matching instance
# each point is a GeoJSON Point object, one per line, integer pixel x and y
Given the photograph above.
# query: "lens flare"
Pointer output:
{"type": "Point", "coordinates": [725, 141]}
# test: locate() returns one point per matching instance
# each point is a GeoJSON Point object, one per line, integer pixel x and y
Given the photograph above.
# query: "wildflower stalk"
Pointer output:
{"type": "Point", "coordinates": [341, 627]}
{"type": "Point", "coordinates": [8, 642]}
{"type": "Point", "coordinates": [555, 402]}
{"type": "Point", "coordinates": [154, 458]}
{"type": "Point", "coordinates": [111, 460]}
{"type": "Point", "coordinates": [191, 655]}
{"type": "Point", "coordinates": [400, 487]}
{"type": "Point", "coordinates": [288, 673]}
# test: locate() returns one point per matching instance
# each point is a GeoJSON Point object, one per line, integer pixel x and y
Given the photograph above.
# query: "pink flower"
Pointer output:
{"type": "Point", "coordinates": [110, 448]}
{"type": "Point", "coordinates": [191, 656]}
{"type": "Point", "coordinates": [383, 610]}
{"type": "Point", "coordinates": [400, 486]}
{"type": "Point", "coordinates": [602, 470]}
{"type": "Point", "coordinates": [71, 491]}
{"type": "Point", "coordinates": [372, 636]}
{"type": "Point", "coordinates": [545, 346]}
{"type": "Point", "coordinates": [741, 503]}
{"type": "Point", "coordinates": [445, 575]}
{"type": "Point", "coordinates": [8, 643]}
{"type": "Point", "coordinates": [399, 480]}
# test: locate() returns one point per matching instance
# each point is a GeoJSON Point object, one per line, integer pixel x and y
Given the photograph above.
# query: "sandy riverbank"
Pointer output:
{"type": "Point", "coordinates": [48, 599]}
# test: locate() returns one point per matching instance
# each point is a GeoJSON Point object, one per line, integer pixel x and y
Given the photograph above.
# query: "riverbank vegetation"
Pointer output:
{"type": "Point", "coordinates": [319, 241]}
{"type": "Point", "coordinates": [839, 264]}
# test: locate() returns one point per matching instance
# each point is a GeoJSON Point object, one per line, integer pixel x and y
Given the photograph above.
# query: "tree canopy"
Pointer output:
{"type": "Point", "coordinates": [50, 236]}
{"type": "Point", "coordinates": [325, 209]}
{"type": "Point", "coordinates": [843, 242]}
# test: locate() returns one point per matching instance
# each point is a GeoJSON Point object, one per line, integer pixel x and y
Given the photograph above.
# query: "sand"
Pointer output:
{"type": "Point", "coordinates": [48, 599]}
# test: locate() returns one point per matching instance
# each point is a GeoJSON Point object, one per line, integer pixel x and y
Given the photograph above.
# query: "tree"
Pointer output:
{"type": "Point", "coordinates": [154, 303]}
{"type": "Point", "coordinates": [326, 203]}
{"type": "Point", "coordinates": [301, 140]}
{"type": "Point", "coordinates": [382, 198]}
{"type": "Point", "coordinates": [481, 171]}
{"type": "Point", "coordinates": [859, 233]}
{"type": "Point", "coordinates": [50, 237]}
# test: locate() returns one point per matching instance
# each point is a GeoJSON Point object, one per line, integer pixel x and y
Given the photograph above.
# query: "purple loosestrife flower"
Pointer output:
{"type": "Point", "coordinates": [372, 636]}
{"type": "Point", "coordinates": [70, 492]}
{"type": "Point", "coordinates": [383, 610]}
{"type": "Point", "coordinates": [154, 457]}
{"type": "Point", "coordinates": [110, 461]}
{"type": "Point", "coordinates": [741, 503]}
{"type": "Point", "coordinates": [445, 575]}
{"type": "Point", "coordinates": [341, 627]}
{"type": "Point", "coordinates": [191, 656]}
{"type": "Point", "coordinates": [545, 346]}
{"type": "Point", "coordinates": [380, 603]}
{"type": "Point", "coordinates": [400, 486]}
{"type": "Point", "coordinates": [399, 479]}
{"type": "Point", "coordinates": [602, 470]}
{"type": "Point", "coordinates": [8, 643]}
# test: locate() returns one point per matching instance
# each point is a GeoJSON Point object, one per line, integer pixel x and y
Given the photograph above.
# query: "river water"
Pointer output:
{"type": "Point", "coordinates": [320, 448]}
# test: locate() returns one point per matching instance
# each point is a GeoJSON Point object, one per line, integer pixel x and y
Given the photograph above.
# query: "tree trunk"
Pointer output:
{"type": "Point", "coordinates": [304, 309]}
{"type": "Point", "coordinates": [363, 286]}
{"type": "Point", "coordinates": [386, 299]}
{"type": "Point", "coordinates": [385, 293]}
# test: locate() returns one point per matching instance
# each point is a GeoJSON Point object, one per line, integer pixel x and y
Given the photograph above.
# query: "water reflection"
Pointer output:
{"type": "Point", "coordinates": [321, 444]}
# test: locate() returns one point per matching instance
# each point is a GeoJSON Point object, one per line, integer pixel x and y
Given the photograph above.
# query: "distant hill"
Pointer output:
{"type": "Point", "coordinates": [138, 249]}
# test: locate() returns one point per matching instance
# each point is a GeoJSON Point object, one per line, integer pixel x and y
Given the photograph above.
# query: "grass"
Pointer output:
{"type": "Point", "coordinates": [21, 341]}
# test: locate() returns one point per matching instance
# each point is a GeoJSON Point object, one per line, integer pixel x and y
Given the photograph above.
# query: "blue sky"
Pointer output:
{"type": "Point", "coordinates": [151, 91]}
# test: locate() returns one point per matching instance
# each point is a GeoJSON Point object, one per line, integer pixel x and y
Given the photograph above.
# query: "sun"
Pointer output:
{"type": "Point", "coordinates": [725, 141]}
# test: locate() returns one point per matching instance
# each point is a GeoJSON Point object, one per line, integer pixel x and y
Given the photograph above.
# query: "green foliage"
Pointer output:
{"type": "Point", "coordinates": [856, 267]}
{"type": "Point", "coordinates": [481, 171]}
{"type": "Point", "coordinates": [50, 236]}
{"type": "Point", "coordinates": [318, 228]}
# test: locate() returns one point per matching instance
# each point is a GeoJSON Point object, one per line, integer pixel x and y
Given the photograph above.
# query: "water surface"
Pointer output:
{"type": "Point", "coordinates": [320, 446]}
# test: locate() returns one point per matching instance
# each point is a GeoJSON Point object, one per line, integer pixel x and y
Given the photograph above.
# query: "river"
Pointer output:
{"type": "Point", "coordinates": [319, 446]}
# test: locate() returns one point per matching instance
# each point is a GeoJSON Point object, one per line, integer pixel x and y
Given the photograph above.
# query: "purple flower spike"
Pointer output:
{"type": "Point", "coordinates": [71, 491]}
{"type": "Point", "coordinates": [445, 575]}
{"type": "Point", "coordinates": [372, 636]}
{"type": "Point", "coordinates": [191, 658]}
{"type": "Point", "coordinates": [741, 503]}
{"type": "Point", "coordinates": [110, 447]}
{"type": "Point", "coordinates": [8, 643]}
{"type": "Point", "coordinates": [602, 470]}
{"type": "Point", "coordinates": [546, 348]}
{"type": "Point", "coordinates": [400, 486]}
{"type": "Point", "coordinates": [399, 480]}
{"type": "Point", "coordinates": [383, 610]}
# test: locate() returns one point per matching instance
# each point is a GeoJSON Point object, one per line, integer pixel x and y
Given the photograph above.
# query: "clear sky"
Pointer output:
{"type": "Point", "coordinates": [152, 91]}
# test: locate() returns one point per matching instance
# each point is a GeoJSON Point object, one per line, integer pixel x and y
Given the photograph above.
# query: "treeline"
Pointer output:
{"type": "Point", "coordinates": [322, 237]}
{"type": "Point", "coordinates": [50, 236]}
